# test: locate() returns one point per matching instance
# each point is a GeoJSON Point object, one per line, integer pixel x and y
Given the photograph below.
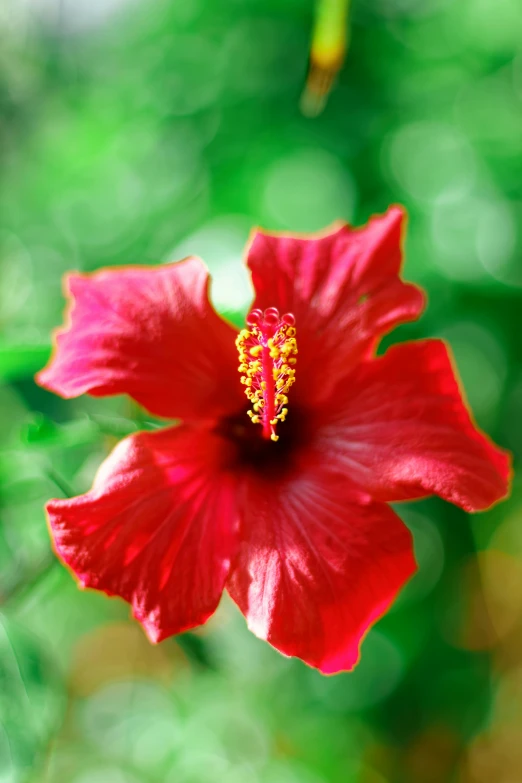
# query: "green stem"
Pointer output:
{"type": "Point", "coordinates": [63, 485]}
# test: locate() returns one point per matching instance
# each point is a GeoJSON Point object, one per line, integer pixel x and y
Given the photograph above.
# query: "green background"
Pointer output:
{"type": "Point", "coordinates": [142, 131]}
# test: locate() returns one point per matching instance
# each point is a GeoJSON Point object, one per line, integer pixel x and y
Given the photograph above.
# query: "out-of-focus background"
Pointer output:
{"type": "Point", "coordinates": [139, 131]}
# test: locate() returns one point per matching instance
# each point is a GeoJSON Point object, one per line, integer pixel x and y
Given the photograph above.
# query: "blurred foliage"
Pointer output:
{"type": "Point", "coordinates": [138, 132]}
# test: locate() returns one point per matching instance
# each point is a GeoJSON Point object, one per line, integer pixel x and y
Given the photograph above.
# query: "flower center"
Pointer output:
{"type": "Point", "coordinates": [267, 355]}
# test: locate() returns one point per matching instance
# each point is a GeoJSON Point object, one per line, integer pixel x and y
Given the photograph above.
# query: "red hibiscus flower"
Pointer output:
{"type": "Point", "coordinates": [285, 507]}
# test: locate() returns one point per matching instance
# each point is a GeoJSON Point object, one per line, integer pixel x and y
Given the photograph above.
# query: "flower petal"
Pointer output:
{"type": "Point", "coordinates": [344, 289]}
{"type": "Point", "coordinates": [150, 333]}
{"type": "Point", "coordinates": [315, 569]}
{"type": "Point", "coordinates": [158, 528]}
{"type": "Point", "coordinates": [400, 429]}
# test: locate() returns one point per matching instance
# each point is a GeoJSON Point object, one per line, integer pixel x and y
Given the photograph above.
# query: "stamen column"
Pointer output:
{"type": "Point", "coordinates": [267, 354]}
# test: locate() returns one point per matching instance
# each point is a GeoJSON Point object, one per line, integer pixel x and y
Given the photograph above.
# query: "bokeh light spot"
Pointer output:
{"type": "Point", "coordinates": [429, 554]}
{"type": "Point", "coordinates": [482, 365]}
{"type": "Point", "coordinates": [220, 243]}
{"type": "Point", "coordinates": [307, 190]}
{"type": "Point", "coordinates": [489, 589]}
{"type": "Point", "coordinates": [376, 676]}
{"type": "Point", "coordinates": [430, 161]}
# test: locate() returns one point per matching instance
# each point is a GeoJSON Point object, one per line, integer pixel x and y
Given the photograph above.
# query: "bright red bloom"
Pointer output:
{"type": "Point", "coordinates": [289, 516]}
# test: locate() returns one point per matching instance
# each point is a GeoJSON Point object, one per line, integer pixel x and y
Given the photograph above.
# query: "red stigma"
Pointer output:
{"type": "Point", "coordinates": [267, 355]}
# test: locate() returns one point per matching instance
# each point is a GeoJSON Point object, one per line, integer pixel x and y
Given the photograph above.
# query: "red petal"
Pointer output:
{"type": "Point", "coordinates": [158, 528]}
{"type": "Point", "coordinates": [151, 333]}
{"type": "Point", "coordinates": [344, 289]}
{"type": "Point", "coordinates": [316, 570]}
{"type": "Point", "coordinates": [400, 429]}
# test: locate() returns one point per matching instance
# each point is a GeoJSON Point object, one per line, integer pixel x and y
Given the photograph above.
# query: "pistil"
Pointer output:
{"type": "Point", "coordinates": [267, 355]}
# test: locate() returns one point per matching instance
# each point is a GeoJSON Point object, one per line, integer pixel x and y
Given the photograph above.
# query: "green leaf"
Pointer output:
{"type": "Point", "coordinates": [196, 649]}
{"type": "Point", "coordinates": [22, 361]}
{"type": "Point", "coordinates": [42, 432]}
